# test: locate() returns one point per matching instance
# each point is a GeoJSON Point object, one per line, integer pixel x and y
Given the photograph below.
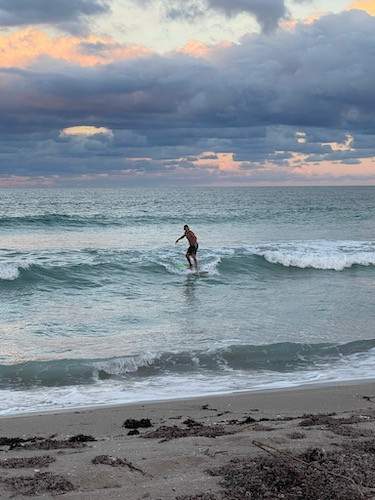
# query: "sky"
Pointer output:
{"type": "Point", "coordinates": [187, 92]}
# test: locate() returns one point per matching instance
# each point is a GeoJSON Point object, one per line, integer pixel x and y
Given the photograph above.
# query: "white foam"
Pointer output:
{"type": "Point", "coordinates": [356, 367]}
{"type": "Point", "coordinates": [323, 255]}
{"type": "Point", "coordinates": [174, 263]}
{"type": "Point", "coordinates": [131, 364]}
{"type": "Point", "coordinates": [9, 272]}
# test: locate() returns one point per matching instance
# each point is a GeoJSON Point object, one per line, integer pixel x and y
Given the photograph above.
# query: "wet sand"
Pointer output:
{"type": "Point", "coordinates": [89, 454]}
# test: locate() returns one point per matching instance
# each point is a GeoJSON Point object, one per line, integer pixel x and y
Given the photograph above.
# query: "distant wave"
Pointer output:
{"type": "Point", "coordinates": [280, 358]}
{"type": "Point", "coordinates": [87, 266]}
{"type": "Point", "coordinates": [61, 220]}
{"type": "Point", "coordinates": [51, 219]}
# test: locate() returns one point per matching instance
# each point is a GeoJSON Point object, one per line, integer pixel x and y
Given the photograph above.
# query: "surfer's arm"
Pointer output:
{"type": "Point", "coordinates": [181, 238]}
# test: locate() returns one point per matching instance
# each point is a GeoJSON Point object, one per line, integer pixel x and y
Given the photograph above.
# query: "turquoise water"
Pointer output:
{"type": "Point", "coordinates": [98, 308]}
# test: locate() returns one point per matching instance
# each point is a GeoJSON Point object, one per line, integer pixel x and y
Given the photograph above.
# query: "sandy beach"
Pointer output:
{"type": "Point", "coordinates": [184, 449]}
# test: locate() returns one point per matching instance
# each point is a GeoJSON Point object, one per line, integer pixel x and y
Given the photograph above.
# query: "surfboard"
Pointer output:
{"type": "Point", "coordinates": [200, 273]}
{"type": "Point", "coordinates": [183, 267]}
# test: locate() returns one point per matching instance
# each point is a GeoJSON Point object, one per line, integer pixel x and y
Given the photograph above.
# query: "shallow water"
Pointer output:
{"type": "Point", "coordinates": [97, 306]}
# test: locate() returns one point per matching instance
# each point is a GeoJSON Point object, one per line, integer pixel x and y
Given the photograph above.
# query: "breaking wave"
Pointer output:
{"type": "Point", "coordinates": [279, 358]}
{"type": "Point", "coordinates": [335, 256]}
{"type": "Point", "coordinates": [87, 266]}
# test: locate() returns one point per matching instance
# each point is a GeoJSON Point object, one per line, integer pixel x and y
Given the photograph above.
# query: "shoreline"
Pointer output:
{"type": "Point", "coordinates": [212, 395]}
{"type": "Point", "coordinates": [164, 450]}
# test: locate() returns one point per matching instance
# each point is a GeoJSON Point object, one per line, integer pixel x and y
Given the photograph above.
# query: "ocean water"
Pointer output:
{"type": "Point", "coordinates": [97, 306]}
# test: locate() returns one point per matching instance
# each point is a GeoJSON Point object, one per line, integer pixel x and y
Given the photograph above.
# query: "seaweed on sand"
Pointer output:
{"type": "Point", "coordinates": [203, 496]}
{"type": "Point", "coordinates": [341, 426]}
{"type": "Point", "coordinates": [345, 474]}
{"type": "Point", "coordinates": [39, 484]}
{"type": "Point", "coordinates": [26, 462]}
{"type": "Point", "coordinates": [39, 443]}
{"type": "Point", "coordinates": [115, 462]}
{"type": "Point", "coordinates": [132, 423]}
{"type": "Point", "coordinates": [166, 433]}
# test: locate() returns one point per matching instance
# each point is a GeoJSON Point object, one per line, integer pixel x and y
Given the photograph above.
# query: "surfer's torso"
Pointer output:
{"type": "Point", "coordinates": [192, 239]}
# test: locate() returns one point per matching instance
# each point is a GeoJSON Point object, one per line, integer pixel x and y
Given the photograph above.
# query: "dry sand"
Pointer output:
{"type": "Point", "coordinates": [189, 438]}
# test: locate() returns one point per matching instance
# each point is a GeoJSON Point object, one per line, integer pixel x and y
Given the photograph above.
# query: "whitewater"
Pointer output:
{"type": "Point", "coordinates": [97, 306]}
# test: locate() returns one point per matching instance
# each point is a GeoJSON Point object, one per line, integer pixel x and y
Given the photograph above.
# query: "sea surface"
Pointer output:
{"type": "Point", "coordinates": [97, 305]}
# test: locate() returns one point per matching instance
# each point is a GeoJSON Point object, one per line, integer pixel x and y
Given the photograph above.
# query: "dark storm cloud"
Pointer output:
{"type": "Point", "coordinates": [251, 99]}
{"type": "Point", "coordinates": [66, 14]}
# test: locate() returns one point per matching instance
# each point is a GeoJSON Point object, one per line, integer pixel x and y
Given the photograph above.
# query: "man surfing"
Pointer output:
{"type": "Point", "coordinates": [193, 248]}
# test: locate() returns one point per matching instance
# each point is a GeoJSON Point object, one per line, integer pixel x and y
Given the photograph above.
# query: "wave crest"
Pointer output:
{"type": "Point", "coordinates": [82, 268]}
{"type": "Point", "coordinates": [10, 272]}
{"type": "Point", "coordinates": [280, 358]}
{"type": "Point", "coordinates": [322, 255]}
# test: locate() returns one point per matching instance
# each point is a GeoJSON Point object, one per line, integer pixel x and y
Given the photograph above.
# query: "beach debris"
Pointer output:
{"type": "Point", "coordinates": [348, 431]}
{"type": "Point", "coordinates": [338, 425]}
{"type": "Point", "coordinates": [166, 433]}
{"type": "Point", "coordinates": [211, 453]}
{"type": "Point", "coordinates": [11, 442]}
{"type": "Point", "coordinates": [26, 462]}
{"type": "Point", "coordinates": [262, 428]}
{"type": "Point", "coordinates": [191, 423]}
{"type": "Point", "coordinates": [40, 483]}
{"type": "Point", "coordinates": [115, 462]}
{"type": "Point", "coordinates": [81, 438]}
{"type": "Point", "coordinates": [203, 496]}
{"type": "Point", "coordinates": [370, 399]}
{"type": "Point", "coordinates": [38, 443]}
{"type": "Point", "coordinates": [316, 474]}
{"type": "Point", "coordinates": [284, 419]}
{"type": "Point", "coordinates": [133, 432]}
{"type": "Point", "coordinates": [297, 435]}
{"type": "Point", "coordinates": [367, 446]}
{"type": "Point", "coordinates": [207, 407]}
{"type": "Point", "coordinates": [223, 413]}
{"type": "Point", "coordinates": [309, 420]}
{"type": "Point", "coordinates": [247, 420]}
{"type": "Point", "coordinates": [143, 423]}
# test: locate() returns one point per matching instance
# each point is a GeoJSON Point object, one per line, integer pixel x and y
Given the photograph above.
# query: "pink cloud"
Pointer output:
{"type": "Point", "coordinates": [224, 162]}
{"type": "Point", "coordinates": [22, 47]}
{"type": "Point", "coordinates": [195, 48]}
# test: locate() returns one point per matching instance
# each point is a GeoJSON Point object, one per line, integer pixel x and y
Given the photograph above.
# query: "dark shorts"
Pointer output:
{"type": "Point", "coordinates": [193, 249]}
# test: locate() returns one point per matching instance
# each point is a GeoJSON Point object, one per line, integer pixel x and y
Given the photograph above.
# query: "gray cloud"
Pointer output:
{"type": "Point", "coordinates": [267, 12]}
{"type": "Point", "coordinates": [66, 14]}
{"type": "Point", "coordinates": [250, 99]}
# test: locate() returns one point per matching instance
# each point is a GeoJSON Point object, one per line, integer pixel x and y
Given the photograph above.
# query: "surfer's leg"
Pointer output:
{"type": "Point", "coordinates": [188, 259]}
{"type": "Point", "coordinates": [195, 262]}
{"type": "Point", "coordinates": [194, 255]}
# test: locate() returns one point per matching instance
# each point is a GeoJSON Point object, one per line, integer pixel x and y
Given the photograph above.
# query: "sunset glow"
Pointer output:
{"type": "Point", "coordinates": [220, 94]}
{"type": "Point", "coordinates": [22, 48]}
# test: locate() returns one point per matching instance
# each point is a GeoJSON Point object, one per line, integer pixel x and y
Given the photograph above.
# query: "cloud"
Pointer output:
{"type": "Point", "coordinates": [23, 47]}
{"type": "Point", "coordinates": [268, 13]}
{"type": "Point", "coordinates": [347, 145]}
{"type": "Point", "coordinates": [85, 131]}
{"type": "Point", "coordinates": [366, 5]}
{"type": "Point", "coordinates": [198, 49]}
{"type": "Point", "coordinates": [301, 137]}
{"type": "Point", "coordinates": [69, 15]}
{"type": "Point", "coordinates": [271, 102]}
